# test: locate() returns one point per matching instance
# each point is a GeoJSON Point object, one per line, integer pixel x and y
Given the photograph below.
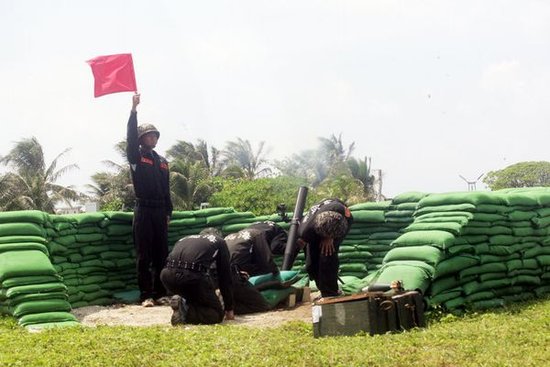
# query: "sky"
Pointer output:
{"type": "Point", "coordinates": [429, 90]}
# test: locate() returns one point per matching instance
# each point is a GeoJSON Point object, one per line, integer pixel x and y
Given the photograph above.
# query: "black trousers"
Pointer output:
{"type": "Point", "coordinates": [150, 231]}
{"type": "Point", "coordinates": [199, 292]}
{"type": "Point", "coordinates": [323, 269]}
{"type": "Point", "coordinates": [247, 298]}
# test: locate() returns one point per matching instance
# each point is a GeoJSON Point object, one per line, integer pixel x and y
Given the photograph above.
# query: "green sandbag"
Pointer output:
{"type": "Point", "coordinates": [475, 286]}
{"type": "Point", "coordinates": [373, 205]}
{"type": "Point", "coordinates": [488, 217]}
{"type": "Point", "coordinates": [519, 215]}
{"type": "Point", "coordinates": [490, 231]}
{"type": "Point", "coordinates": [33, 288]}
{"type": "Point", "coordinates": [21, 229]}
{"type": "Point", "coordinates": [33, 279]}
{"type": "Point", "coordinates": [284, 276]}
{"type": "Point", "coordinates": [352, 285]}
{"type": "Point", "coordinates": [31, 307]}
{"type": "Point", "coordinates": [90, 297]}
{"type": "Point", "coordinates": [188, 222]}
{"type": "Point", "coordinates": [451, 227]}
{"type": "Point", "coordinates": [89, 237]}
{"type": "Point", "coordinates": [32, 297]}
{"type": "Point", "coordinates": [85, 218]}
{"type": "Point", "coordinates": [344, 268]}
{"type": "Point", "coordinates": [46, 317]}
{"type": "Point", "coordinates": [408, 197]}
{"type": "Point", "coordinates": [94, 279]}
{"type": "Point", "coordinates": [66, 240]}
{"type": "Point", "coordinates": [368, 216]}
{"type": "Point", "coordinates": [23, 238]}
{"type": "Point", "coordinates": [441, 285]}
{"type": "Point", "coordinates": [455, 264]}
{"type": "Point", "coordinates": [471, 197]}
{"type": "Point", "coordinates": [384, 236]}
{"type": "Point", "coordinates": [120, 216]}
{"type": "Point", "coordinates": [110, 255]}
{"type": "Point", "coordinates": [479, 296]}
{"type": "Point", "coordinates": [445, 296]}
{"type": "Point", "coordinates": [440, 239]}
{"type": "Point", "coordinates": [24, 263]}
{"type": "Point", "coordinates": [543, 260]}
{"type": "Point", "coordinates": [209, 212]}
{"type": "Point", "coordinates": [405, 206]}
{"type": "Point", "coordinates": [445, 208]}
{"type": "Point", "coordinates": [399, 213]}
{"type": "Point", "coordinates": [503, 240]}
{"type": "Point", "coordinates": [275, 296]}
{"type": "Point", "coordinates": [492, 276]}
{"type": "Point", "coordinates": [232, 228]}
{"type": "Point", "coordinates": [5, 247]}
{"type": "Point", "coordinates": [220, 219]}
{"type": "Point", "coordinates": [462, 220]}
{"type": "Point", "coordinates": [119, 229]}
{"type": "Point", "coordinates": [484, 268]}
{"type": "Point", "coordinates": [413, 277]}
{"type": "Point", "coordinates": [454, 303]}
{"type": "Point", "coordinates": [90, 250]}
{"type": "Point", "coordinates": [541, 222]}
{"type": "Point", "coordinates": [427, 254]}
{"type": "Point", "coordinates": [23, 216]}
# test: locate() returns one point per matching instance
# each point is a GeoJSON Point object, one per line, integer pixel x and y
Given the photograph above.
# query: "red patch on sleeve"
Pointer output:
{"type": "Point", "coordinates": [164, 165]}
{"type": "Point", "coordinates": [146, 160]}
{"type": "Point", "coordinates": [347, 213]}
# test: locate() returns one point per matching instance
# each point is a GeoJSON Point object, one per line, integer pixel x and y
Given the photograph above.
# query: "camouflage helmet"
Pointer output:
{"type": "Point", "coordinates": [147, 128]}
{"type": "Point", "coordinates": [330, 224]}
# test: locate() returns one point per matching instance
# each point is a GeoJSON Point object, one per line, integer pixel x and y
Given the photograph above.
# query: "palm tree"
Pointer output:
{"type": "Point", "coordinates": [113, 190]}
{"type": "Point", "coordinates": [32, 183]}
{"type": "Point", "coordinates": [241, 154]}
{"type": "Point", "coordinates": [333, 151]}
{"type": "Point", "coordinates": [189, 152]}
{"type": "Point", "coordinates": [189, 184]}
{"type": "Point", "coordinates": [360, 169]}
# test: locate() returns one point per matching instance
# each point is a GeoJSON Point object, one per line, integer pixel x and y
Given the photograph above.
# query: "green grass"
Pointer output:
{"type": "Point", "coordinates": [516, 336]}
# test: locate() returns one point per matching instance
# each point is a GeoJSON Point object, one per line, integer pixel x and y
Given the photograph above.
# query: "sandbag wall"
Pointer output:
{"type": "Point", "coordinates": [375, 226]}
{"type": "Point", "coordinates": [475, 249]}
{"type": "Point", "coordinates": [94, 254]}
{"type": "Point", "coordinates": [31, 289]}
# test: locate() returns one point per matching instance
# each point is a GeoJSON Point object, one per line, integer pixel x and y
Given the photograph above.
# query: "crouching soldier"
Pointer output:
{"type": "Point", "coordinates": [251, 254]}
{"type": "Point", "coordinates": [323, 229]}
{"type": "Point", "coordinates": [186, 275]}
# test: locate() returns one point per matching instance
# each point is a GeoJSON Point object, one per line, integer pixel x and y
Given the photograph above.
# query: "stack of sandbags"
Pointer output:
{"type": "Point", "coordinates": [31, 289]}
{"type": "Point", "coordinates": [375, 226]}
{"type": "Point", "coordinates": [94, 254]}
{"type": "Point", "coordinates": [192, 222]}
{"type": "Point", "coordinates": [481, 249]}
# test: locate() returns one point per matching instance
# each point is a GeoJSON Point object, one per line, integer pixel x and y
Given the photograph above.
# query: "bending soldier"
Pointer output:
{"type": "Point", "coordinates": [186, 275]}
{"type": "Point", "coordinates": [323, 229]}
{"type": "Point", "coordinates": [250, 253]}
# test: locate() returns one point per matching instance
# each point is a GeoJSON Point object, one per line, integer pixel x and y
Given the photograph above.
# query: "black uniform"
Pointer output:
{"type": "Point", "coordinates": [249, 251]}
{"type": "Point", "coordinates": [323, 269]}
{"type": "Point", "coordinates": [274, 235]}
{"type": "Point", "coordinates": [150, 176]}
{"type": "Point", "coordinates": [187, 274]}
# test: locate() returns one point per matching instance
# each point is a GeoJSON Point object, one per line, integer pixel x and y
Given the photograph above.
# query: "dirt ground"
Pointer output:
{"type": "Point", "coordinates": [136, 315]}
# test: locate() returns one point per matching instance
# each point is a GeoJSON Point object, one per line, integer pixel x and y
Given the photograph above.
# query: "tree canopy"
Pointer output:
{"type": "Point", "coordinates": [523, 174]}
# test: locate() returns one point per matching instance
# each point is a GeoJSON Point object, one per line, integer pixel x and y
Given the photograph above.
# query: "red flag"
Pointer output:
{"type": "Point", "coordinates": [113, 74]}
